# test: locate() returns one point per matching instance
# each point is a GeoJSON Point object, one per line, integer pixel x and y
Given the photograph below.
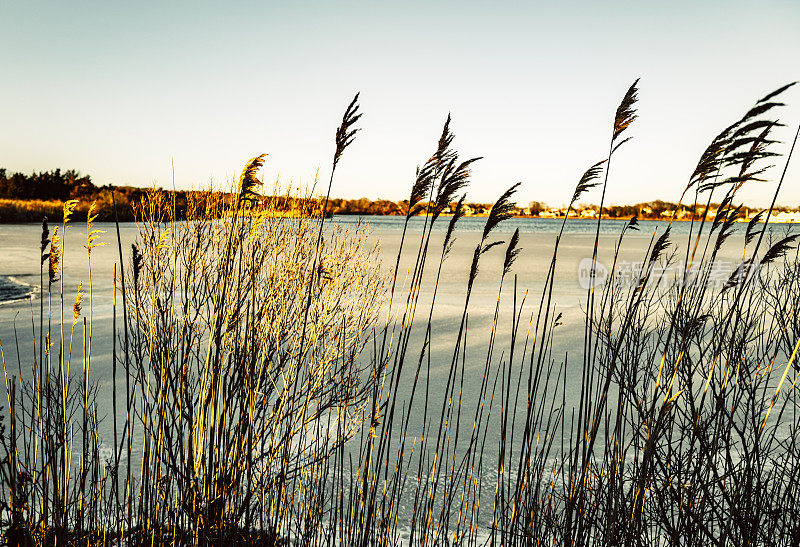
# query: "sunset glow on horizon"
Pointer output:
{"type": "Point", "coordinates": [124, 92]}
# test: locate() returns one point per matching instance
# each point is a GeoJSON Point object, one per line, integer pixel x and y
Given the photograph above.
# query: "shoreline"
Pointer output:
{"type": "Point", "coordinates": [3, 221]}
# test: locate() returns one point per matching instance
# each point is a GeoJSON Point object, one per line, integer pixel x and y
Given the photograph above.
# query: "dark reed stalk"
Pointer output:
{"type": "Point", "coordinates": [126, 352]}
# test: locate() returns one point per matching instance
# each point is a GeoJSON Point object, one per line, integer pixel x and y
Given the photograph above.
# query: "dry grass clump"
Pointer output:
{"type": "Point", "coordinates": [28, 210]}
{"type": "Point", "coordinates": [243, 389]}
{"type": "Point", "coordinates": [236, 386]}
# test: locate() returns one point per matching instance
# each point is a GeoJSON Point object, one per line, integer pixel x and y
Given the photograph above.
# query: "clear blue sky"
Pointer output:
{"type": "Point", "coordinates": [120, 90]}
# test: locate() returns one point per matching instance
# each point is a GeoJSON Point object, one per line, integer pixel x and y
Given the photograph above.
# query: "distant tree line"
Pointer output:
{"type": "Point", "coordinates": [25, 198]}
{"type": "Point", "coordinates": [46, 185]}
{"type": "Point", "coordinates": [364, 206]}
{"type": "Point", "coordinates": [28, 198]}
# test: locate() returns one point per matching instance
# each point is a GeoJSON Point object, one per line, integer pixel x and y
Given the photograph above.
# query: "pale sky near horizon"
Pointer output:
{"type": "Point", "coordinates": [121, 91]}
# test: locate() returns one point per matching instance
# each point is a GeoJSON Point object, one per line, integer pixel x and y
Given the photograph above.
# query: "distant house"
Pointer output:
{"type": "Point", "coordinates": [787, 216]}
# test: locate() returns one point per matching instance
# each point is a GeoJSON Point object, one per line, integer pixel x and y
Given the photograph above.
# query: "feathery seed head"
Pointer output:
{"type": "Point", "coordinates": [76, 308]}
{"type": "Point", "coordinates": [503, 209]}
{"type": "Point", "coordinates": [443, 158]}
{"type": "Point", "coordinates": [758, 110]}
{"type": "Point", "coordinates": [69, 208]}
{"type": "Point", "coordinates": [422, 185]}
{"type": "Point", "coordinates": [453, 179]}
{"type": "Point", "coordinates": [344, 134]}
{"type": "Point", "coordinates": [776, 93]}
{"type": "Point", "coordinates": [726, 149]}
{"type": "Point", "coordinates": [512, 251]}
{"type": "Point", "coordinates": [138, 260]}
{"type": "Point", "coordinates": [248, 180]}
{"type": "Point", "coordinates": [457, 214]}
{"type": "Point", "coordinates": [711, 160]}
{"type": "Point", "coordinates": [751, 231]}
{"type": "Point", "coordinates": [54, 256]}
{"type": "Point", "coordinates": [92, 235]}
{"type": "Point", "coordinates": [729, 216]}
{"type": "Point", "coordinates": [162, 241]}
{"type": "Point", "coordinates": [661, 245]}
{"type": "Point", "coordinates": [91, 215]}
{"type": "Point", "coordinates": [722, 212]}
{"type": "Point", "coordinates": [626, 113]}
{"type": "Point", "coordinates": [443, 150]}
{"type": "Point", "coordinates": [486, 248]}
{"type": "Point", "coordinates": [587, 181]}
{"type": "Point", "coordinates": [779, 249]}
{"type": "Point", "coordinates": [45, 239]}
